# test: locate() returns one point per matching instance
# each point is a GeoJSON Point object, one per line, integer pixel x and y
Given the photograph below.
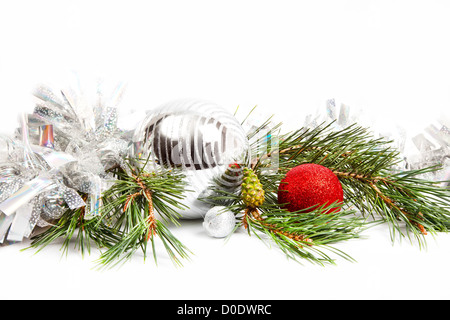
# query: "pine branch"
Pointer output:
{"type": "Point", "coordinates": [367, 169]}
{"type": "Point", "coordinates": [308, 235]}
{"type": "Point", "coordinates": [73, 224]}
{"type": "Point", "coordinates": [129, 208]}
{"type": "Point", "coordinates": [128, 220]}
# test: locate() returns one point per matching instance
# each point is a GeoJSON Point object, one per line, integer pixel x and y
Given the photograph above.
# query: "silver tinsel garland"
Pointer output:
{"type": "Point", "coordinates": [61, 150]}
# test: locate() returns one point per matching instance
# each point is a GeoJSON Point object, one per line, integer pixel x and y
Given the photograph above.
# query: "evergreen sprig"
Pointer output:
{"type": "Point", "coordinates": [134, 213]}
{"type": "Point", "coordinates": [73, 224]}
{"type": "Point", "coordinates": [308, 235]}
{"type": "Point", "coordinates": [130, 209]}
{"type": "Point", "coordinates": [368, 170]}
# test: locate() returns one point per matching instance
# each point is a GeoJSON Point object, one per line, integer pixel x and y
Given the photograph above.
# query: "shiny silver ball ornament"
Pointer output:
{"type": "Point", "coordinates": [200, 138]}
{"type": "Point", "coordinates": [219, 222]}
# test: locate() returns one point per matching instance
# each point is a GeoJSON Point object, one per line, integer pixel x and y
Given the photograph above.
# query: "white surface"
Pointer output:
{"type": "Point", "coordinates": [388, 58]}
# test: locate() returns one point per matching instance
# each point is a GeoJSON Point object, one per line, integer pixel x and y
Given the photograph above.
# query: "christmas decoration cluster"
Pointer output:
{"type": "Point", "coordinates": [72, 171]}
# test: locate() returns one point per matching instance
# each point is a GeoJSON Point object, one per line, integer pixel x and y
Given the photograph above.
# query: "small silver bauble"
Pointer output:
{"type": "Point", "coordinates": [219, 222]}
{"type": "Point", "coordinates": [201, 138]}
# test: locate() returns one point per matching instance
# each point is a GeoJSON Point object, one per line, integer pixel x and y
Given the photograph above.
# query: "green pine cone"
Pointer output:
{"type": "Point", "coordinates": [252, 189]}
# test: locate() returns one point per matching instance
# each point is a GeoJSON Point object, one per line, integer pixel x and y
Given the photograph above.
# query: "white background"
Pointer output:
{"type": "Point", "coordinates": [390, 59]}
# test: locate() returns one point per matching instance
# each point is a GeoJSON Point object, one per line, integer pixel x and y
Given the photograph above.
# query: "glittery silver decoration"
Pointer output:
{"type": "Point", "coordinates": [61, 150]}
{"type": "Point", "coordinates": [339, 115]}
{"type": "Point", "coordinates": [35, 216]}
{"type": "Point", "coordinates": [10, 187]}
{"type": "Point", "coordinates": [5, 223]}
{"type": "Point", "coordinates": [53, 205]}
{"type": "Point", "coordinates": [432, 148]}
{"type": "Point", "coordinates": [72, 198]}
{"type": "Point", "coordinates": [199, 137]}
{"type": "Point", "coordinates": [20, 223]}
{"type": "Point", "coordinates": [219, 222]}
{"type": "Point", "coordinates": [25, 194]}
{"type": "Point", "coordinates": [112, 152]}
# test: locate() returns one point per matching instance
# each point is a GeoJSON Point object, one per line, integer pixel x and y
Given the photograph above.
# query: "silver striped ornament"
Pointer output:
{"type": "Point", "coordinates": [200, 137]}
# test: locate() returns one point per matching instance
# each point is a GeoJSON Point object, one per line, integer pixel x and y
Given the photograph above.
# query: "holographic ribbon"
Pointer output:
{"type": "Point", "coordinates": [20, 223]}
{"type": "Point", "coordinates": [54, 159]}
{"type": "Point", "coordinates": [46, 136]}
{"type": "Point", "coordinates": [17, 211]}
{"type": "Point", "coordinates": [25, 194]}
{"type": "Point", "coordinates": [65, 148]}
{"type": "Point", "coordinates": [93, 206]}
{"type": "Point", "coordinates": [19, 214]}
{"type": "Point", "coordinates": [5, 223]}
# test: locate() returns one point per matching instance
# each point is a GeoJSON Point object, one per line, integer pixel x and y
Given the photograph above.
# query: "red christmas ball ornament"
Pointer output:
{"type": "Point", "coordinates": [309, 186]}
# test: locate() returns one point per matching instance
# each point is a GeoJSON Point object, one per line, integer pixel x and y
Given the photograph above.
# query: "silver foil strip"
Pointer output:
{"type": "Point", "coordinates": [55, 159]}
{"type": "Point", "coordinates": [25, 194]}
{"type": "Point", "coordinates": [20, 223]}
{"type": "Point", "coordinates": [5, 223]}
